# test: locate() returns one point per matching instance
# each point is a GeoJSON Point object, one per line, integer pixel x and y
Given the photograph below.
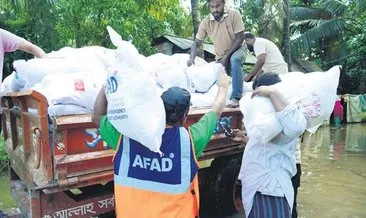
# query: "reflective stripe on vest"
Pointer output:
{"type": "Point", "coordinates": [173, 173]}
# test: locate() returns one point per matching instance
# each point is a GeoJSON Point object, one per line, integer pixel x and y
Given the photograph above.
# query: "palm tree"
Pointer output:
{"type": "Point", "coordinates": [269, 19]}
{"type": "Point", "coordinates": [319, 29]}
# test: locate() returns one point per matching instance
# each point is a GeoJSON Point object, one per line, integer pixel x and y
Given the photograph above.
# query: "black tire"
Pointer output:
{"type": "Point", "coordinates": [222, 195]}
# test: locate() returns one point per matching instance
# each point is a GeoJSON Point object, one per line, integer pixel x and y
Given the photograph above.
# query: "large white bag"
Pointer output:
{"type": "Point", "coordinates": [169, 75]}
{"type": "Point", "coordinates": [34, 70]}
{"type": "Point", "coordinates": [66, 60]}
{"type": "Point", "coordinates": [76, 88]}
{"type": "Point", "coordinates": [204, 76]}
{"type": "Point", "coordinates": [11, 83]}
{"type": "Point", "coordinates": [313, 93]}
{"type": "Point", "coordinates": [66, 109]}
{"type": "Point", "coordinates": [134, 107]}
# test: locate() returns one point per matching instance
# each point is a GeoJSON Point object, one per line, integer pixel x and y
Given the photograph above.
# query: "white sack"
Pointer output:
{"type": "Point", "coordinates": [134, 107]}
{"type": "Point", "coordinates": [66, 109]}
{"type": "Point", "coordinates": [204, 76]}
{"type": "Point", "coordinates": [11, 83]}
{"type": "Point", "coordinates": [34, 70]}
{"type": "Point", "coordinates": [169, 75]}
{"type": "Point", "coordinates": [259, 115]}
{"type": "Point", "coordinates": [66, 60]}
{"type": "Point", "coordinates": [77, 89]}
{"type": "Point", "coordinates": [313, 93]}
{"type": "Point", "coordinates": [181, 59]}
{"type": "Point", "coordinates": [200, 100]}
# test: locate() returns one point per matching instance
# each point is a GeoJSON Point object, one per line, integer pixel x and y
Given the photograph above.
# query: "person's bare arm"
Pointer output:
{"type": "Point", "coordinates": [32, 49]}
{"type": "Point", "coordinates": [257, 69]}
{"type": "Point", "coordinates": [240, 136]}
{"type": "Point", "coordinates": [219, 103]}
{"type": "Point", "coordinates": [100, 107]}
{"type": "Point", "coordinates": [196, 44]}
{"type": "Point", "coordinates": [277, 99]}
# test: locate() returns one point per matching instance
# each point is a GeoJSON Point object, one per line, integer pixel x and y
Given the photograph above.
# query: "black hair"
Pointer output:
{"type": "Point", "coordinates": [173, 114]}
{"type": "Point", "coordinates": [266, 79]}
{"type": "Point", "coordinates": [249, 35]}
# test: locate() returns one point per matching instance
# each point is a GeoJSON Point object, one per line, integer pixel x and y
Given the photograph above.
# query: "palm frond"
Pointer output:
{"type": "Point", "coordinates": [309, 39]}
{"type": "Point", "coordinates": [310, 23]}
{"type": "Point", "coordinates": [336, 7]}
{"type": "Point", "coordinates": [361, 4]}
{"type": "Point", "coordinates": [303, 13]}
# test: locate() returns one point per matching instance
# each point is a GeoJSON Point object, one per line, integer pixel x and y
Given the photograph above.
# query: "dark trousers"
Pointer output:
{"type": "Point", "coordinates": [296, 184]}
{"type": "Point", "coordinates": [266, 206]}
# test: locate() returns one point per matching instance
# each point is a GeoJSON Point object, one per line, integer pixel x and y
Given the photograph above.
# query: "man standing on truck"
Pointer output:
{"type": "Point", "coordinates": [164, 186]}
{"type": "Point", "coordinates": [269, 57]}
{"type": "Point", "coordinates": [267, 168]}
{"type": "Point", "coordinates": [226, 30]}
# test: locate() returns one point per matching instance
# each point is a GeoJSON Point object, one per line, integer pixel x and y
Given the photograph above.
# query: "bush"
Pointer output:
{"type": "Point", "coordinates": [4, 158]}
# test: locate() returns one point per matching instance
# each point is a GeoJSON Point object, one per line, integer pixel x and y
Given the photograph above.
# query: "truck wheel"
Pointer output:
{"type": "Point", "coordinates": [225, 188]}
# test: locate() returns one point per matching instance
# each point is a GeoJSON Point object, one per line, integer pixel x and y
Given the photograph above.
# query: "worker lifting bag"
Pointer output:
{"type": "Point", "coordinates": [135, 108]}
{"type": "Point", "coordinates": [313, 93]}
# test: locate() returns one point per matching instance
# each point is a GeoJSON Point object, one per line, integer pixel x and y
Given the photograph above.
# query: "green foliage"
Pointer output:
{"type": "Point", "coordinates": [332, 32]}
{"type": "Point", "coordinates": [3, 155]}
{"type": "Point", "coordinates": [53, 24]}
{"type": "Point", "coordinates": [82, 23]}
{"type": "Point", "coordinates": [264, 18]}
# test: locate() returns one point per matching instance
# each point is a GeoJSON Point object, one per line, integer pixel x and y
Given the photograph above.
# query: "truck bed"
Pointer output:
{"type": "Point", "coordinates": [59, 153]}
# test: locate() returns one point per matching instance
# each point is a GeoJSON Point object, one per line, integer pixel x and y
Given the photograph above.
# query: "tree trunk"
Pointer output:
{"type": "Point", "coordinates": [196, 24]}
{"type": "Point", "coordinates": [286, 34]}
{"type": "Point", "coordinates": [195, 16]}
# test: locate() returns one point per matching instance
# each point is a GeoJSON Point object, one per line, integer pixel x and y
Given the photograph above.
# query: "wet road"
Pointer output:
{"type": "Point", "coordinates": [333, 181]}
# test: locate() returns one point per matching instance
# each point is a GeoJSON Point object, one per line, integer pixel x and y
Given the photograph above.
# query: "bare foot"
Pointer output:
{"type": "Point", "coordinates": [234, 103]}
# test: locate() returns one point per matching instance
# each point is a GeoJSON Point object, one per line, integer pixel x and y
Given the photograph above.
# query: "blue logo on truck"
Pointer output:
{"type": "Point", "coordinates": [96, 138]}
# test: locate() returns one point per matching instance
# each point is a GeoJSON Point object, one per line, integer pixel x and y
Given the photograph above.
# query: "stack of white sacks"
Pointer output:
{"type": "Point", "coordinates": [71, 78]}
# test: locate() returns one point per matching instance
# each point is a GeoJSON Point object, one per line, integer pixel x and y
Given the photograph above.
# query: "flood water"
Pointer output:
{"type": "Point", "coordinates": [333, 181]}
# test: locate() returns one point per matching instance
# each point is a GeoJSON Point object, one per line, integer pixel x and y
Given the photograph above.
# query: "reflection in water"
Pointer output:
{"type": "Point", "coordinates": [333, 182]}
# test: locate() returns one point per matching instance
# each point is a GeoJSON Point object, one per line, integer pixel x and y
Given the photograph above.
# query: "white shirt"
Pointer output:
{"type": "Point", "coordinates": [274, 61]}
{"type": "Point", "coordinates": [268, 167]}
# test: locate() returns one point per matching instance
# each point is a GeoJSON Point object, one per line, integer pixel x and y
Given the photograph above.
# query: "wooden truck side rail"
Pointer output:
{"type": "Point", "coordinates": [25, 128]}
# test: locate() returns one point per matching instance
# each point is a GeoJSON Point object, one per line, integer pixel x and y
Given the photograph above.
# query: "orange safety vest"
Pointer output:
{"type": "Point", "coordinates": [148, 185]}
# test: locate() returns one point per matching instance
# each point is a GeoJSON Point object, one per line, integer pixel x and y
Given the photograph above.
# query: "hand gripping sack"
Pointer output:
{"type": "Point", "coordinates": [135, 108]}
